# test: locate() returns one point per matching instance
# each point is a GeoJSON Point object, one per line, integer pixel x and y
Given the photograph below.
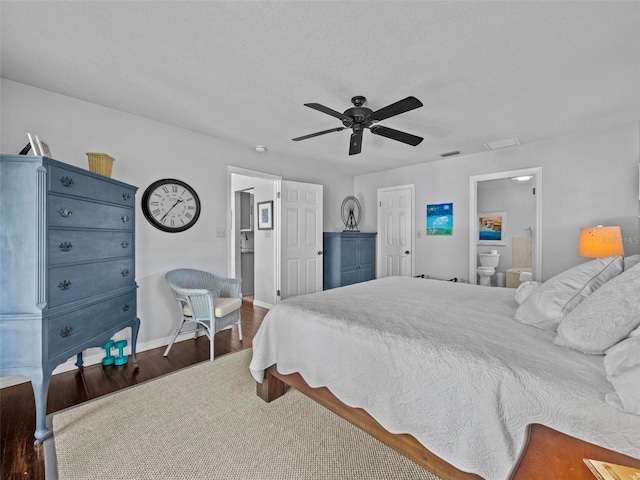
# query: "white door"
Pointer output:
{"type": "Point", "coordinates": [301, 239]}
{"type": "Point", "coordinates": [396, 223]}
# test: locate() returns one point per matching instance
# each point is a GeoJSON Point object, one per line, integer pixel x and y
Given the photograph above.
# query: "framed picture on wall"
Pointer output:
{"type": "Point", "coordinates": [265, 215]}
{"type": "Point", "coordinates": [492, 228]}
{"type": "Point", "coordinates": [440, 219]}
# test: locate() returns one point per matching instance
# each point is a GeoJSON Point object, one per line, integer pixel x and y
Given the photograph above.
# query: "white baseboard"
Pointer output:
{"type": "Point", "coordinates": [258, 303]}
{"type": "Point", "coordinates": [94, 359]}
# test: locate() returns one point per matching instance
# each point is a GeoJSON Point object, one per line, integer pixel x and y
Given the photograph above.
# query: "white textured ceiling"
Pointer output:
{"type": "Point", "coordinates": [241, 71]}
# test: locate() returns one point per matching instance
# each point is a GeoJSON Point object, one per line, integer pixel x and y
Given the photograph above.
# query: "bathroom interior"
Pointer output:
{"type": "Point", "coordinates": [507, 263]}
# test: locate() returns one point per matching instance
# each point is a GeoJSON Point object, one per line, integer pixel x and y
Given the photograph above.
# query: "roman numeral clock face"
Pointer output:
{"type": "Point", "coordinates": [171, 205]}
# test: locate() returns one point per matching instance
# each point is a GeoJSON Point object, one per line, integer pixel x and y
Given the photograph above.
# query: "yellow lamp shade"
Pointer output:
{"type": "Point", "coordinates": [597, 242]}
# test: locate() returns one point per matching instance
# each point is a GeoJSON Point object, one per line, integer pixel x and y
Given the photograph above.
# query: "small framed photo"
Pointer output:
{"type": "Point", "coordinates": [44, 148]}
{"type": "Point", "coordinates": [265, 215]}
{"type": "Point", "coordinates": [31, 148]}
{"type": "Point", "coordinates": [492, 228]}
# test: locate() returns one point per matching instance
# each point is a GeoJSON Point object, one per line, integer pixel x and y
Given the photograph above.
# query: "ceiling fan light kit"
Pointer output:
{"type": "Point", "coordinates": [358, 118]}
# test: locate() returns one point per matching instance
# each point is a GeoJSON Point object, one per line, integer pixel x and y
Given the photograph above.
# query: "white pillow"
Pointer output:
{"type": "Point", "coordinates": [622, 364]}
{"type": "Point", "coordinates": [605, 318]}
{"type": "Point", "coordinates": [550, 302]}
{"type": "Point", "coordinates": [525, 289]}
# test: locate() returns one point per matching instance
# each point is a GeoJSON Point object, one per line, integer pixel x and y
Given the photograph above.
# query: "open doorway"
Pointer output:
{"type": "Point", "coordinates": [514, 229]}
{"type": "Point", "coordinates": [252, 252]}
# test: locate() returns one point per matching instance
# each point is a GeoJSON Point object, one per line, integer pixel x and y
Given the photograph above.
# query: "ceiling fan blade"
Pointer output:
{"type": "Point", "coordinates": [397, 108]}
{"type": "Point", "coordinates": [355, 146]}
{"type": "Point", "coordinates": [328, 111]}
{"type": "Point", "coordinates": [396, 135]}
{"type": "Point", "coordinates": [311, 135]}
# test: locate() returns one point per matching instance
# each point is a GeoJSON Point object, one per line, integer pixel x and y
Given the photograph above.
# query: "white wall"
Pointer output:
{"type": "Point", "coordinates": [145, 151]}
{"type": "Point", "coordinates": [587, 179]}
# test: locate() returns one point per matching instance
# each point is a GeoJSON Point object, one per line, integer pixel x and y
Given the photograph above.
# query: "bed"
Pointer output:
{"type": "Point", "coordinates": [442, 366]}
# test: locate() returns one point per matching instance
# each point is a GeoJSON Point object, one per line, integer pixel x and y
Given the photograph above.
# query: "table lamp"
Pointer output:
{"type": "Point", "coordinates": [599, 241]}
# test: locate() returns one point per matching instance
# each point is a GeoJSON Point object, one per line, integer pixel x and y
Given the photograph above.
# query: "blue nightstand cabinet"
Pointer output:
{"type": "Point", "coordinates": [67, 268]}
{"type": "Point", "coordinates": [349, 257]}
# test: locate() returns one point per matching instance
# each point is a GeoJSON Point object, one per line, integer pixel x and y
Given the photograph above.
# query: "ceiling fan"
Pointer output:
{"type": "Point", "coordinates": [359, 117]}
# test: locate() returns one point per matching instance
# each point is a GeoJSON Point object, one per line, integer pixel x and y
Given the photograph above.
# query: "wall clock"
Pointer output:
{"type": "Point", "coordinates": [171, 205]}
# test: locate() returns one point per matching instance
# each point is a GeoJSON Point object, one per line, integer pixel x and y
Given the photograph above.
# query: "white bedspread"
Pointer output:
{"type": "Point", "coordinates": [446, 363]}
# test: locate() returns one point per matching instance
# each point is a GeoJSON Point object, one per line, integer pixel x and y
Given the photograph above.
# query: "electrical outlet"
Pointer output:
{"type": "Point", "coordinates": [419, 233]}
{"type": "Point", "coordinates": [220, 232]}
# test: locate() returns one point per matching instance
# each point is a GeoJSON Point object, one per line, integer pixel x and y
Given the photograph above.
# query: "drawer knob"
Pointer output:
{"type": "Point", "coordinates": [124, 244]}
{"type": "Point", "coordinates": [64, 285]}
{"type": "Point", "coordinates": [66, 331]}
{"type": "Point", "coordinates": [125, 272]}
{"type": "Point", "coordinates": [126, 196]}
{"type": "Point", "coordinates": [64, 212]}
{"type": "Point", "coordinates": [125, 307]}
{"type": "Point", "coordinates": [66, 181]}
{"type": "Point", "coordinates": [66, 246]}
{"type": "Point", "coordinates": [125, 219]}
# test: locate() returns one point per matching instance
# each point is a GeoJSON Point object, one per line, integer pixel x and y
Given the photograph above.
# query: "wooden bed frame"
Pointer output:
{"type": "Point", "coordinates": [546, 454]}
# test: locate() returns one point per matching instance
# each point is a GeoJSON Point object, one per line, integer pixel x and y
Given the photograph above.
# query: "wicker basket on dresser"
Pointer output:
{"type": "Point", "coordinates": [67, 268]}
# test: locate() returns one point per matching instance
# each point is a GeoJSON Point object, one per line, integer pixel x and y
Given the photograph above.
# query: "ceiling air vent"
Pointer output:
{"type": "Point", "coordinates": [450, 154]}
{"type": "Point", "coordinates": [507, 142]}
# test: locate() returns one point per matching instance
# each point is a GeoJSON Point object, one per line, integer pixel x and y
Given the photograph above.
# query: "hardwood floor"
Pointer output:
{"type": "Point", "coordinates": [22, 460]}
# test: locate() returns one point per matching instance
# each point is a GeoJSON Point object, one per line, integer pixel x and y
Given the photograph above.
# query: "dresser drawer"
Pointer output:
{"type": "Point", "coordinates": [71, 212]}
{"type": "Point", "coordinates": [67, 284]}
{"type": "Point", "coordinates": [69, 246]}
{"type": "Point", "coordinates": [67, 332]}
{"type": "Point", "coordinates": [80, 185]}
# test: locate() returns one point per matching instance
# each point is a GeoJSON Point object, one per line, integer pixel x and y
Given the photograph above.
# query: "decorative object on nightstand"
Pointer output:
{"type": "Point", "coordinates": [72, 268]}
{"type": "Point", "coordinates": [351, 213]}
{"type": "Point", "coordinates": [100, 163]}
{"type": "Point", "coordinates": [171, 205]}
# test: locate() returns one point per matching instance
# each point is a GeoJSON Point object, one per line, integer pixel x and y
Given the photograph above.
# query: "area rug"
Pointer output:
{"type": "Point", "coordinates": [206, 422]}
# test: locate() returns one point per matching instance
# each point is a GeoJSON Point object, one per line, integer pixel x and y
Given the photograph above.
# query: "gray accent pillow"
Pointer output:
{"type": "Point", "coordinates": [550, 302]}
{"type": "Point", "coordinates": [605, 318]}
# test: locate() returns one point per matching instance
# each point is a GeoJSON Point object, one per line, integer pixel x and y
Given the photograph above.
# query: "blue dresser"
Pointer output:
{"type": "Point", "coordinates": [349, 257]}
{"type": "Point", "coordinates": [67, 267]}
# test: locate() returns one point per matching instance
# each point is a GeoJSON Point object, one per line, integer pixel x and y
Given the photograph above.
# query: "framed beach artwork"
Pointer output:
{"type": "Point", "coordinates": [440, 219]}
{"type": "Point", "coordinates": [492, 228]}
{"type": "Point", "coordinates": [265, 215]}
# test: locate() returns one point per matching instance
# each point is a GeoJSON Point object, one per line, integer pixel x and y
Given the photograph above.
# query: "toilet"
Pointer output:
{"type": "Point", "coordinates": [488, 263]}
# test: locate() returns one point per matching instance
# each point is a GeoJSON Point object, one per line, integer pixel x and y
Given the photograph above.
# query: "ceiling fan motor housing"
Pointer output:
{"type": "Point", "coordinates": [358, 113]}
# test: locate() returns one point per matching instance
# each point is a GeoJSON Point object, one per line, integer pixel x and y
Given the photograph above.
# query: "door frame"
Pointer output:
{"type": "Point", "coordinates": [231, 227]}
{"type": "Point", "coordinates": [380, 223]}
{"type": "Point", "coordinates": [536, 233]}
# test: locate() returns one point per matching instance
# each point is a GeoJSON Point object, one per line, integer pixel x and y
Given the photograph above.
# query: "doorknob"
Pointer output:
{"type": "Point", "coordinates": [407, 252]}
{"type": "Point", "coordinates": [320, 252]}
